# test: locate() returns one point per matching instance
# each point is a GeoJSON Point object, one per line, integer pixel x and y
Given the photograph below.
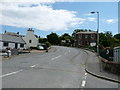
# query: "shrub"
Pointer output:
{"type": "Point", "coordinates": [48, 44]}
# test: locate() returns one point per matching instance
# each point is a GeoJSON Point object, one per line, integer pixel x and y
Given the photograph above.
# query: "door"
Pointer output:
{"type": "Point", "coordinates": [16, 45]}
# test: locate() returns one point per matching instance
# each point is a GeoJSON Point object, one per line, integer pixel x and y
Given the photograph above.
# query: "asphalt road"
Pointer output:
{"type": "Point", "coordinates": [61, 67]}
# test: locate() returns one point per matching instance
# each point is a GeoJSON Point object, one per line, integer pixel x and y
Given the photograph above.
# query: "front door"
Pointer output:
{"type": "Point", "coordinates": [16, 45]}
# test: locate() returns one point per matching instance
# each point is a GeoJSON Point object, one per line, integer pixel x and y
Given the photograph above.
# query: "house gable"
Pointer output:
{"type": "Point", "coordinates": [30, 39]}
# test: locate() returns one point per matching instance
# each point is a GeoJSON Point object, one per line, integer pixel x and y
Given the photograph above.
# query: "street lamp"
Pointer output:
{"type": "Point", "coordinates": [97, 35]}
{"type": "Point", "coordinates": [97, 31]}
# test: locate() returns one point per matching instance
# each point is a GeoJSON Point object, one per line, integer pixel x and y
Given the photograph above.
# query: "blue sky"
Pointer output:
{"type": "Point", "coordinates": [59, 17]}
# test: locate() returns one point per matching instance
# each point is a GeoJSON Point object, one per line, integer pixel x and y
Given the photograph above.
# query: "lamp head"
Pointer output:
{"type": "Point", "coordinates": [92, 12]}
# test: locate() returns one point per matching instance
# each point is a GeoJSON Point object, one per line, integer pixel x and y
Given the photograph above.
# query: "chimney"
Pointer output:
{"type": "Point", "coordinates": [5, 31]}
{"type": "Point", "coordinates": [18, 33]}
{"type": "Point", "coordinates": [30, 29]}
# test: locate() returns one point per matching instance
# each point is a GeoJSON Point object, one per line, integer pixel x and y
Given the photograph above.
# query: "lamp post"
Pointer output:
{"type": "Point", "coordinates": [98, 37]}
{"type": "Point", "coordinates": [97, 31]}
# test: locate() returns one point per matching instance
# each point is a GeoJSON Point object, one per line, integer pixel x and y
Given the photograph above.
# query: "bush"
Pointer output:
{"type": "Point", "coordinates": [48, 44]}
{"type": "Point", "coordinates": [91, 48]}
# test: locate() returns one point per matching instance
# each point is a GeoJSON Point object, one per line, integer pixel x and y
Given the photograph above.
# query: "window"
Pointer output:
{"type": "Point", "coordinates": [80, 36]}
{"type": "Point", "coordinates": [80, 42]}
{"type": "Point", "coordinates": [86, 36]}
{"type": "Point", "coordinates": [30, 41]}
{"type": "Point", "coordinates": [21, 45]}
{"type": "Point", "coordinates": [92, 36]}
{"type": "Point", "coordinates": [5, 44]}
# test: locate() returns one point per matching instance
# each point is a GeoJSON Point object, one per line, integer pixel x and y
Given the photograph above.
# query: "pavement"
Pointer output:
{"type": "Point", "coordinates": [94, 67]}
{"type": "Point", "coordinates": [37, 51]}
{"type": "Point", "coordinates": [5, 57]}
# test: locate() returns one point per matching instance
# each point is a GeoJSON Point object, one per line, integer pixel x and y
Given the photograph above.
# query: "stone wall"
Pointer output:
{"type": "Point", "coordinates": [110, 66]}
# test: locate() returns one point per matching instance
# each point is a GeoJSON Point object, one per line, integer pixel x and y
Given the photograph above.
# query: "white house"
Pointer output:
{"type": "Point", "coordinates": [31, 39]}
{"type": "Point", "coordinates": [11, 40]}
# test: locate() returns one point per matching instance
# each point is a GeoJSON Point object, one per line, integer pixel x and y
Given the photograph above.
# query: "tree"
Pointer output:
{"type": "Point", "coordinates": [107, 39]}
{"type": "Point", "coordinates": [53, 38]}
{"type": "Point", "coordinates": [48, 44]}
{"type": "Point", "coordinates": [103, 40]}
{"type": "Point", "coordinates": [68, 40]}
{"type": "Point", "coordinates": [117, 39]}
{"type": "Point", "coordinates": [117, 36]}
{"type": "Point", "coordinates": [42, 40]}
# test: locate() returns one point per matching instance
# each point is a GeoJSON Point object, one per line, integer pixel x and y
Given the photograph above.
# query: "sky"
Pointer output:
{"type": "Point", "coordinates": [56, 16]}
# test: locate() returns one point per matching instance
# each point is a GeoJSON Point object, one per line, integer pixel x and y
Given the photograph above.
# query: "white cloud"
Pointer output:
{"type": "Point", "coordinates": [32, 1]}
{"type": "Point", "coordinates": [88, 14]}
{"type": "Point", "coordinates": [91, 19]}
{"type": "Point", "coordinates": [49, 1]}
{"type": "Point", "coordinates": [42, 1]}
{"type": "Point", "coordinates": [109, 21]}
{"type": "Point", "coordinates": [42, 17]}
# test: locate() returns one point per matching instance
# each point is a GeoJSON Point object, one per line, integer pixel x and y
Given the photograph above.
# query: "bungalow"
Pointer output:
{"type": "Point", "coordinates": [11, 40]}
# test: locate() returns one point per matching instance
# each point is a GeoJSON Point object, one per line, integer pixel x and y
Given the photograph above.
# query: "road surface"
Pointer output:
{"type": "Point", "coordinates": [61, 67]}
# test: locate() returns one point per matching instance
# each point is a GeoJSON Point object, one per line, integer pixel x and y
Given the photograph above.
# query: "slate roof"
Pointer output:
{"type": "Point", "coordinates": [87, 33]}
{"type": "Point", "coordinates": [12, 33]}
{"type": "Point", "coordinates": [11, 38]}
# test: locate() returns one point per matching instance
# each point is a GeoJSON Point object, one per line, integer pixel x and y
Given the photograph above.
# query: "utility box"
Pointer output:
{"type": "Point", "coordinates": [116, 54]}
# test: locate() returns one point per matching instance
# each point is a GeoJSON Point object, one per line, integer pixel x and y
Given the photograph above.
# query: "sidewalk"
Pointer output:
{"type": "Point", "coordinates": [94, 67]}
{"type": "Point", "coordinates": [33, 51]}
{"type": "Point", "coordinates": [4, 57]}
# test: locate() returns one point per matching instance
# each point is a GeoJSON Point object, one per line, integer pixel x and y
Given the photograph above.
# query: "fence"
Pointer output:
{"type": "Point", "coordinates": [107, 54]}
{"type": "Point", "coordinates": [117, 54]}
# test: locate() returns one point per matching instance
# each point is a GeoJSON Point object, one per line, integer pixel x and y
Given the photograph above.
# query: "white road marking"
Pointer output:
{"type": "Point", "coordinates": [83, 83]}
{"type": "Point", "coordinates": [85, 77]}
{"type": "Point", "coordinates": [56, 57]}
{"type": "Point", "coordinates": [33, 65]}
{"type": "Point", "coordinates": [85, 74]}
{"type": "Point", "coordinates": [11, 73]}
